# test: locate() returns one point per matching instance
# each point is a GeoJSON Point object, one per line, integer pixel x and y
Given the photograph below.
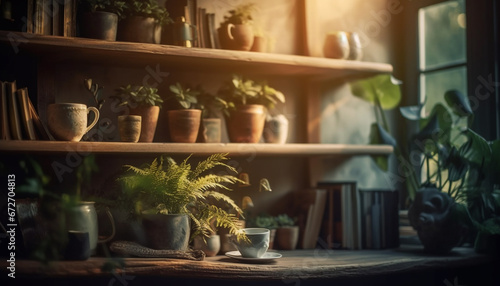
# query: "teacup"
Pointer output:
{"type": "Point", "coordinates": [68, 121]}
{"type": "Point", "coordinates": [256, 245]}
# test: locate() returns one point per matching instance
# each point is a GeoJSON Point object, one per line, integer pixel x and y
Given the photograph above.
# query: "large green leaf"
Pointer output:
{"type": "Point", "coordinates": [384, 89]}
{"type": "Point", "coordinates": [437, 127]}
{"type": "Point", "coordinates": [476, 150]}
{"type": "Point", "coordinates": [411, 112]}
{"type": "Point", "coordinates": [458, 103]}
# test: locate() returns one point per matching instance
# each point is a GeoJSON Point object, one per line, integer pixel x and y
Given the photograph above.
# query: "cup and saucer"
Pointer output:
{"type": "Point", "coordinates": [255, 249]}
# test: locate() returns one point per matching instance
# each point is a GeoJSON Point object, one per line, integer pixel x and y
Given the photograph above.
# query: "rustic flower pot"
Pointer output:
{"type": "Point", "coordinates": [184, 125]}
{"type": "Point", "coordinates": [99, 25]}
{"type": "Point", "coordinates": [149, 119]}
{"type": "Point", "coordinates": [139, 29]}
{"type": "Point", "coordinates": [166, 231]}
{"type": "Point", "coordinates": [287, 238]}
{"type": "Point", "coordinates": [246, 123]}
{"type": "Point", "coordinates": [210, 246]}
{"type": "Point", "coordinates": [236, 37]}
{"type": "Point", "coordinates": [129, 127]}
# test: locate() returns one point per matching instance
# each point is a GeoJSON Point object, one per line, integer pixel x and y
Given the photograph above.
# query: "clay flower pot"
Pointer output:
{"type": "Point", "coordinates": [149, 119]}
{"type": "Point", "coordinates": [129, 127]}
{"type": "Point", "coordinates": [246, 123]}
{"type": "Point", "coordinates": [184, 125]}
{"type": "Point", "coordinates": [139, 29]}
{"type": "Point", "coordinates": [99, 25]}
{"type": "Point", "coordinates": [236, 37]}
{"type": "Point", "coordinates": [167, 231]}
{"type": "Point", "coordinates": [287, 237]}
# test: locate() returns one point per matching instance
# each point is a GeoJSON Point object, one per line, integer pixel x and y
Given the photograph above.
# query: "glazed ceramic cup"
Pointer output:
{"type": "Point", "coordinates": [130, 128]}
{"type": "Point", "coordinates": [68, 121]}
{"type": "Point", "coordinates": [336, 45]}
{"type": "Point", "coordinates": [256, 246]}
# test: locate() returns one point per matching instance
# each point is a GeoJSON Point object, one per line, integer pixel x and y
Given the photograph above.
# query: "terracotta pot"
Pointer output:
{"type": "Point", "coordinates": [287, 238]}
{"type": "Point", "coordinates": [139, 29]}
{"type": "Point", "coordinates": [167, 231]}
{"type": "Point", "coordinates": [236, 37]}
{"type": "Point", "coordinates": [259, 44]}
{"type": "Point", "coordinates": [246, 123]}
{"type": "Point", "coordinates": [149, 120]}
{"type": "Point", "coordinates": [184, 125]}
{"type": "Point", "coordinates": [99, 25]}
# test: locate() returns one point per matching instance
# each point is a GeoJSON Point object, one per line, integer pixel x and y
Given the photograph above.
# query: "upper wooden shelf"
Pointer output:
{"type": "Point", "coordinates": [234, 149]}
{"type": "Point", "coordinates": [192, 59]}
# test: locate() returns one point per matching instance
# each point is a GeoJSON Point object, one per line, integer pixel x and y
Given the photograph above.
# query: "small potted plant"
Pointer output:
{"type": "Point", "coordinates": [184, 122]}
{"type": "Point", "coordinates": [142, 21]}
{"type": "Point", "coordinates": [246, 104]}
{"type": "Point", "coordinates": [287, 233]}
{"type": "Point", "coordinates": [175, 200]}
{"type": "Point", "coordinates": [145, 102]}
{"type": "Point", "coordinates": [98, 19]}
{"type": "Point", "coordinates": [236, 31]}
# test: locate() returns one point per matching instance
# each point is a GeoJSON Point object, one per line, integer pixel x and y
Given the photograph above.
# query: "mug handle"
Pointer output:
{"type": "Point", "coordinates": [96, 117]}
{"type": "Point", "coordinates": [113, 228]}
{"type": "Point", "coordinates": [228, 31]}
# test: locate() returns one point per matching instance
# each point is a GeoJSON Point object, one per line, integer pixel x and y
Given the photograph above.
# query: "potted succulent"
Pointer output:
{"type": "Point", "coordinates": [236, 31]}
{"type": "Point", "coordinates": [142, 21]}
{"type": "Point", "coordinates": [145, 102]}
{"type": "Point", "coordinates": [246, 104]}
{"type": "Point", "coordinates": [457, 198]}
{"type": "Point", "coordinates": [287, 233]}
{"type": "Point", "coordinates": [184, 122]}
{"type": "Point", "coordinates": [98, 19]}
{"type": "Point", "coordinates": [175, 200]}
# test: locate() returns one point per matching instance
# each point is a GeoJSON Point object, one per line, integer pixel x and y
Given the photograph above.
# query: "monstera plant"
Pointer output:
{"type": "Point", "coordinates": [459, 196]}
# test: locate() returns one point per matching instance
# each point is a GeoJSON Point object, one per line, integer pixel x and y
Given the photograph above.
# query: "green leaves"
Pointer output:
{"type": "Point", "coordinates": [458, 103]}
{"type": "Point", "coordinates": [383, 90]}
{"type": "Point", "coordinates": [378, 135]}
{"type": "Point", "coordinates": [185, 96]}
{"type": "Point", "coordinates": [138, 95]}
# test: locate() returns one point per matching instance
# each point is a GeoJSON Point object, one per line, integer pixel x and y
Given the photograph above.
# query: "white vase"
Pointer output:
{"type": "Point", "coordinates": [276, 129]}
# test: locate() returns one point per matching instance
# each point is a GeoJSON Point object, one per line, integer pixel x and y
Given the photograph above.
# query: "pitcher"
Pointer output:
{"type": "Point", "coordinates": [83, 217]}
{"type": "Point", "coordinates": [68, 121]}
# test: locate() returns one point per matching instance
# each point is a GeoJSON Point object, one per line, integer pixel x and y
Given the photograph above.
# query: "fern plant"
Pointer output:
{"type": "Point", "coordinates": [168, 187]}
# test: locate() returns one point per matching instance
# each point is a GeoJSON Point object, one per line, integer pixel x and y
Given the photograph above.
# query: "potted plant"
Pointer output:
{"type": "Point", "coordinates": [287, 232]}
{"type": "Point", "coordinates": [265, 220]}
{"type": "Point", "coordinates": [236, 31]}
{"type": "Point", "coordinates": [142, 21]}
{"type": "Point", "coordinates": [184, 122]}
{"type": "Point", "coordinates": [211, 107]}
{"type": "Point", "coordinates": [175, 200]}
{"type": "Point", "coordinates": [145, 102]}
{"type": "Point", "coordinates": [98, 19]}
{"type": "Point", "coordinates": [458, 198]}
{"type": "Point", "coordinates": [246, 104]}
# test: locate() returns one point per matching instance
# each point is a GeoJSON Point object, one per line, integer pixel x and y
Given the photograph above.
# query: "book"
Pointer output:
{"type": "Point", "coordinates": [30, 15]}
{"type": "Point", "coordinates": [4, 118]}
{"type": "Point", "coordinates": [69, 16]}
{"type": "Point", "coordinates": [380, 218]}
{"type": "Point", "coordinates": [46, 20]}
{"type": "Point", "coordinates": [25, 113]}
{"type": "Point", "coordinates": [312, 206]}
{"type": "Point", "coordinates": [40, 128]}
{"type": "Point", "coordinates": [211, 31]}
{"type": "Point", "coordinates": [13, 110]}
{"type": "Point", "coordinates": [58, 17]}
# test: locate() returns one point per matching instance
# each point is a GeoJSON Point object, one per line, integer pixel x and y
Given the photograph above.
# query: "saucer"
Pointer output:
{"type": "Point", "coordinates": [267, 257]}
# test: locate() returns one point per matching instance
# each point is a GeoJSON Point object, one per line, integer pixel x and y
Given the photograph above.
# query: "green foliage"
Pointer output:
{"type": "Point", "coordinates": [95, 90]}
{"type": "Point", "coordinates": [263, 220]}
{"type": "Point", "coordinates": [284, 220]}
{"type": "Point", "coordinates": [242, 91]}
{"type": "Point", "coordinates": [147, 8]}
{"type": "Point", "coordinates": [186, 97]}
{"type": "Point", "coordinates": [242, 14]}
{"type": "Point", "coordinates": [138, 95]}
{"type": "Point", "coordinates": [111, 6]}
{"type": "Point", "coordinates": [168, 187]}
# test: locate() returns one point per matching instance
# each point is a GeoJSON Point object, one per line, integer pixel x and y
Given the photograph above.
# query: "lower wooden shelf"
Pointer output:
{"type": "Point", "coordinates": [297, 265]}
{"type": "Point", "coordinates": [234, 149]}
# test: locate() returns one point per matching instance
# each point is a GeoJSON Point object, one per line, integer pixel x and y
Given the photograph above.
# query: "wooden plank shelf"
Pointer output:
{"type": "Point", "coordinates": [234, 149]}
{"type": "Point", "coordinates": [189, 59]}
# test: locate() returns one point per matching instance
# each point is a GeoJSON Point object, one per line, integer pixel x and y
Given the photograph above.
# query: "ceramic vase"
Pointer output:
{"type": "Point", "coordinates": [129, 127]}
{"type": "Point", "coordinates": [166, 231]}
{"type": "Point", "coordinates": [212, 132]}
{"type": "Point", "coordinates": [210, 246]}
{"type": "Point", "coordinates": [276, 129]}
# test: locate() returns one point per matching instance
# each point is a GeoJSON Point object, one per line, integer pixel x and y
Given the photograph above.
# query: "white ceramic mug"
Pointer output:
{"type": "Point", "coordinates": [68, 121]}
{"type": "Point", "coordinates": [257, 245]}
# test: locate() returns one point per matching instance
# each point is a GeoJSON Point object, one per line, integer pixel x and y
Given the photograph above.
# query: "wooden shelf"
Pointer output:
{"type": "Point", "coordinates": [234, 149]}
{"type": "Point", "coordinates": [189, 59]}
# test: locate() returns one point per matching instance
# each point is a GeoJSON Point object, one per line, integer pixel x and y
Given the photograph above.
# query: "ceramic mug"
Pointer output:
{"type": "Point", "coordinates": [130, 128]}
{"type": "Point", "coordinates": [68, 121]}
{"type": "Point", "coordinates": [257, 245]}
{"type": "Point", "coordinates": [336, 45]}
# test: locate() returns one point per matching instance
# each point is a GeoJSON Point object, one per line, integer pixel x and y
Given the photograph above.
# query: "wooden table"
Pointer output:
{"type": "Point", "coordinates": [407, 265]}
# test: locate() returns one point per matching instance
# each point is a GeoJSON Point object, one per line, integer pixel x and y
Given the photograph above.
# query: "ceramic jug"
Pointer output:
{"type": "Point", "coordinates": [83, 217]}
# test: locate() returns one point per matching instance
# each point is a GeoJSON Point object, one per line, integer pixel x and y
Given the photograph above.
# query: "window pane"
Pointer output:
{"type": "Point", "coordinates": [433, 85]}
{"type": "Point", "coordinates": [442, 34]}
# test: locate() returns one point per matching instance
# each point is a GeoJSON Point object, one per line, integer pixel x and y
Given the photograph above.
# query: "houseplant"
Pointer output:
{"type": "Point", "coordinates": [98, 19]}
{"type": "Point", "coordinates": [246, 104]}
{"type": "Point", "coordinates": [184, 122]}
{"type": "Point", "coordinates": [142, 21]}
{"type": "Point", "coordinates": [236, 31]}
{"type": "Point", "coordinates": [166, 190]}
{"type": "Point", "coordinates": [287, 232]}
{"type": "Point", "coordinates": [145, 102]}
{"type": "Point", "coordinates": [458, 192]}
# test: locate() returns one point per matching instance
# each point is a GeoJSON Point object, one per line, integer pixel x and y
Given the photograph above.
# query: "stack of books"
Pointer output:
{"type": "Point", "coordinates": [19, 119]}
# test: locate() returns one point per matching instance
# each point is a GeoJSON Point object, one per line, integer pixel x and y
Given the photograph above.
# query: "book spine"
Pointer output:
{"type": "Point", "coordinates": [4, 109]}
{"type": "Point", "coordinates": [26, 114]}
{"type": "Point", "coordinates": [15, 123]}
